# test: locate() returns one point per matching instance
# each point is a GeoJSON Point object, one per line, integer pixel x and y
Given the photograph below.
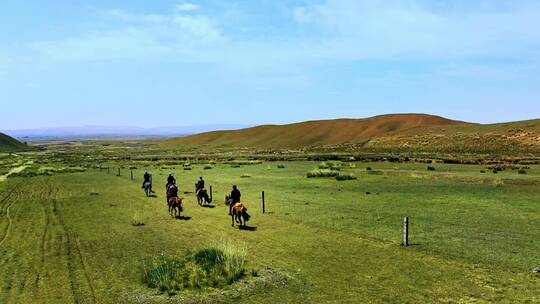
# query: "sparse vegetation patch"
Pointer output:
{"type": "Point", "coordinates": [215, 266]}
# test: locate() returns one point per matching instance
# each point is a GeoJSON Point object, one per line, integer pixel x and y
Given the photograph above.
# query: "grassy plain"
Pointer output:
{"type": "Point", "coordinates": [69, 237]}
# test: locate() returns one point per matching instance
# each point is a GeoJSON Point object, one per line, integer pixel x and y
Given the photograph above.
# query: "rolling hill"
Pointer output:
{"type": "Point", "coordinates": [10, 144]}
{"type": "Point", "coordinates": [394, 132]}
{"type": "Point", "coordinates": [315, 133]}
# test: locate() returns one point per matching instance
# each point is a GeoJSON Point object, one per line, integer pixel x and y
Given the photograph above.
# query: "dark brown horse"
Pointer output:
{"type": "Point", "coordinates": [175, 206]}
{"type": "Point", "coordinates": [173, 201]}
{"type": "Point", "coordinates": [202, 197]}
{"type": "Point", "coordinates": [238, 212]}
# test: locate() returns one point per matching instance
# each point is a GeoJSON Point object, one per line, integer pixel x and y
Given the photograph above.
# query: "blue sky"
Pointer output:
{"type": "Point", "coordinates": [158, 63]}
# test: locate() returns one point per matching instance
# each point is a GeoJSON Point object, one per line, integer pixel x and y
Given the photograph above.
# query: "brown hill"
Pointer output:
{"type": "Point", "coordinates": [314, 133]}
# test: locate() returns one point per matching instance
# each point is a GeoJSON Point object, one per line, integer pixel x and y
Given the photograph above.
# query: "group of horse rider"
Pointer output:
{"type": "Point", "coordinates": [171, 189]}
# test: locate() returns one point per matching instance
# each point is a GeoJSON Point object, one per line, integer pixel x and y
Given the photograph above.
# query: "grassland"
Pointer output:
{"type": "Point", "coordinates": [70, 237]}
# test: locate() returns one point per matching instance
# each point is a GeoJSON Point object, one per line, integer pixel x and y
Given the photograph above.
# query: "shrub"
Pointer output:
{"type": "Point", "coordinates": [322, 173]}
{"type": "Point", "coordinates": [431, 168]}
{"type": "Point", "coordinates": [214, 266]}
{"type": "Point", "coordinates": [207, 167]}
{"type": "Point", "coordinates": [482, 171]}
{"type": "Point", "coordinates": [336, 166]}
{"type": "Point", "coordinates": [281, 166]}
{"type": "Point", "coordinates": [522, 171]}
{"type": "Point", "coordinates": [343, 177]}
{"type": "Point", "coordinates": [164, 274]}
{"type": "Point", "coordinates": [369, 168]}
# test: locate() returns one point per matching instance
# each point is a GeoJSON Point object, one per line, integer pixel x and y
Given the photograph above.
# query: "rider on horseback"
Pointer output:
{"type": "Point", "coordinates": [147, 179]}
{"type": "Point", "coordinates": [199, 185]}
{"type": "Point", "coordinates": [170, 180]}
{"type": "Point", "coordinates": [235, 195]}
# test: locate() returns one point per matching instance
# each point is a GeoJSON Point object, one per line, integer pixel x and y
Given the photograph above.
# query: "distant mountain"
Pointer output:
{"type": "Point", "coordinates": [10, 144]}
{"type": "Point", "coordinates": [90, 132]}
{"type": "Point", "coordinates": [315, 133]}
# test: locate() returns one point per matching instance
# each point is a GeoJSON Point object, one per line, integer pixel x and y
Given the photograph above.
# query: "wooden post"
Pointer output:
{"type": "Point", "coordinates": [406, 231]}
{"type": "Point", "coordinates": [118, 171]}
{"type": "Point", "coordinates": [211, 193]}
{"type": "Point", "coordinates": [108, 170]}
{"type": "Point", "coordinates": [263, 202]}
{"type": "Point", "coordinates": [131, 174]}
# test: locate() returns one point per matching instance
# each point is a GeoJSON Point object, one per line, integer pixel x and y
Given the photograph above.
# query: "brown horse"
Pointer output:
{"type": "Point", "coordinates": [202, 197]}
{"type": "Point", "coordinates": [175, 205]}
{"type": "Point", "coordinates": [238, 212]}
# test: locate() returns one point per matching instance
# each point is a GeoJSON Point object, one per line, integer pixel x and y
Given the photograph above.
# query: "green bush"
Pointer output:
{"type": "Point", "coordinates": [215, 266]}
{"type": "Point", "coordinates": [344, 177]}
{"type": "Point", "coordinates": [431, 168]}
{"type": "Point", "coordinates": [522, 171]}
{"type": "Point", "coordinates": [322, 173]}
{"type": "Point", "coordinates": [281, 166]}
{"type": "Point", "coordinates": [369, 168]}
{"type": "Point", "coordinates": [336, 166]}
{"type": "Point", "coordinates": [207, 167]}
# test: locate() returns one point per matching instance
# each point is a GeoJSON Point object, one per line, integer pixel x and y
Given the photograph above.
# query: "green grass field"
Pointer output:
{"type": "Point", "coordinates": [69, 237]}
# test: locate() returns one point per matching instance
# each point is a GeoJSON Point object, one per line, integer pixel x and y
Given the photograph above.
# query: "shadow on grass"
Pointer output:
{"type": "Point", "coordinates": [208, 206]}
{"type": "Point", "coordinates": [248, 228]}
{"type": "Point", "coordinates": [182, 217]}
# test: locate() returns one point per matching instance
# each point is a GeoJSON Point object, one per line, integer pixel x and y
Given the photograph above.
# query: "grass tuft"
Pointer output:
{"type": "Point", "coordinates": [322, 173]}
{"type": "Point", "coordinates": [215, 266]}
{"type": "Point", "coordinates": [344, 177]}
{"type": "Point", "coordinates": [137, 219]}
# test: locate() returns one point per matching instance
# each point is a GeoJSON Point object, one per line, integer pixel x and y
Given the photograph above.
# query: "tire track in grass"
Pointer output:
{"type": "Point", "coordinates": [75, 261]}
{"type": "Point", "coordinates": [9, 199]}
{"type": "Point", "coordinates": [43, 244]}
{"type": "Point", "coordinates": [85, 268]}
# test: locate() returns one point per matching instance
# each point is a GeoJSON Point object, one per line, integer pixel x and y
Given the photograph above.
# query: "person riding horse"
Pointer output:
{"type": "Point", "coordinates": [147, 182]}
{"type": "Point", "coordinates": [199, 185]}
{"type": "Point", "coordinates": [237, 210]}
{"type": "Point", "coordinates": [173, 201]}
{"type": "Point", "coordinates": [201, 193]}
{"type": "Point", "coordinates": [235, 195]}
{"type": "Point", "coordinates": [146, 178]}
{"type": "Point", "coordinates": [170, 180]}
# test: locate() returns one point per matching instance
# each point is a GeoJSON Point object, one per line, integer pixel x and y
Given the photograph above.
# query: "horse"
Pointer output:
{"type": "Point", "coordinates": [202, 197]}
{"type": "Point", "coordinates": [175, 204]}
{"type": "Point", "coordinates": [147, 188]}
{"type": "Point", "coordinates": [238, 211]}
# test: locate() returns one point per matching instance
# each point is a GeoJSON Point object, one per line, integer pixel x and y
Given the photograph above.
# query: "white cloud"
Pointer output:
{"type": "Point", "coordinates": [186, 7]}
{"type": "Point", "coordinates": [144, 37]}
{"type": "Point", "coordinates": [386, 29]}
{"type": "Point", "coordinates": [335, 31]}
